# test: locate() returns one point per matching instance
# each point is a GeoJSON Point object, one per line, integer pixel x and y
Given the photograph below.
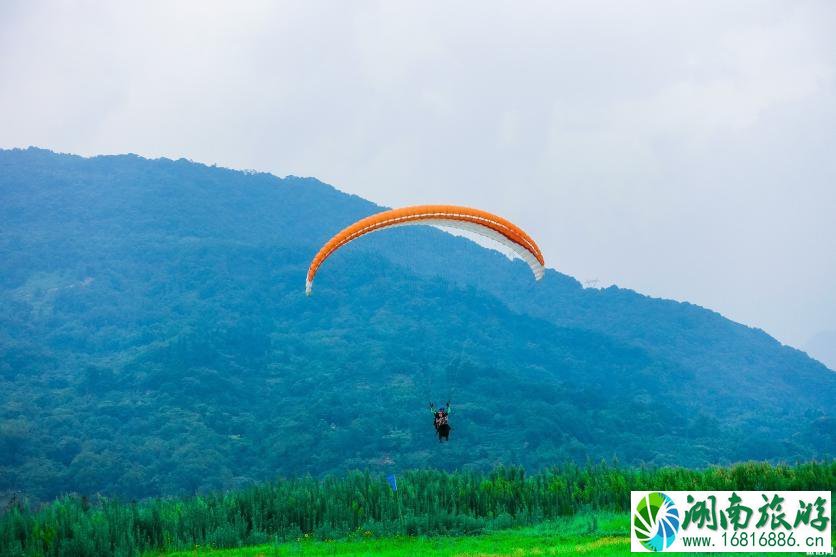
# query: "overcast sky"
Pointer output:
{"type": "Point", "coordinates": [686, 150]}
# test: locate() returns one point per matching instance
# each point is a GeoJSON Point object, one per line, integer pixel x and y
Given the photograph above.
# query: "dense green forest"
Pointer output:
{"type": "Point", "coordinates": [427, 502]}
{"type": "Point", "coordinates": [155, 339]}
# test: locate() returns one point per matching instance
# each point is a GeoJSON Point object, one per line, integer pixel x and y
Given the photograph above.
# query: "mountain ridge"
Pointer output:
{"type": "Point", "coordinates": [155, 338]}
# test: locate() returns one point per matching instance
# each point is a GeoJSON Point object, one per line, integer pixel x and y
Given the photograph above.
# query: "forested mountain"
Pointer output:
{"type": "Point", "coordinates": [155, 339]}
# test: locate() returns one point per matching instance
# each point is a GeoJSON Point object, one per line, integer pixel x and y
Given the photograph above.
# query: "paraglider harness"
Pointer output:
{"type": "Point", "coordinates": [440, 419]}
{"type": "Point", "coordinates": [440, 416]}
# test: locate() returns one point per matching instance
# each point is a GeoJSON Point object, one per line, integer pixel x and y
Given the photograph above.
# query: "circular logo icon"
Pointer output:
{"type": "Point", "coordinates": [656, 521]}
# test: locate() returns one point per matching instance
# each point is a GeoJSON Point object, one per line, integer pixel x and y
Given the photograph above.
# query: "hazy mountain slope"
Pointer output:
{"type": "Point", "coordinates": [155, 338]}
{"type": "Point", "coordinates": [728, 356]}
{"type": "Point", "coordinates": [823, 347]}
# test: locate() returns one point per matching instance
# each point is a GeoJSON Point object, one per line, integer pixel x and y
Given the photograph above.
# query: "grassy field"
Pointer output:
{"type": "Point", "coordinates": [588, 534]}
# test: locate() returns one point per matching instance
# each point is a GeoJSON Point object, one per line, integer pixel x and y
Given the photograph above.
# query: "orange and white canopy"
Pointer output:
{"type": "Point", "coordinates": [462, 218]}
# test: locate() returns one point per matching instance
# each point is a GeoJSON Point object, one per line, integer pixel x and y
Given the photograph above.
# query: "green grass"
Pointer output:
{"type": "Point", "coordinates": [588, 534]}
{"type": "Point", "coordinates": [599, 534]}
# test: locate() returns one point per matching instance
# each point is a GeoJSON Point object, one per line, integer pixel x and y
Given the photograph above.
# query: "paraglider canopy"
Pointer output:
{"type": "Point", "coordinates": [463, 218]}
